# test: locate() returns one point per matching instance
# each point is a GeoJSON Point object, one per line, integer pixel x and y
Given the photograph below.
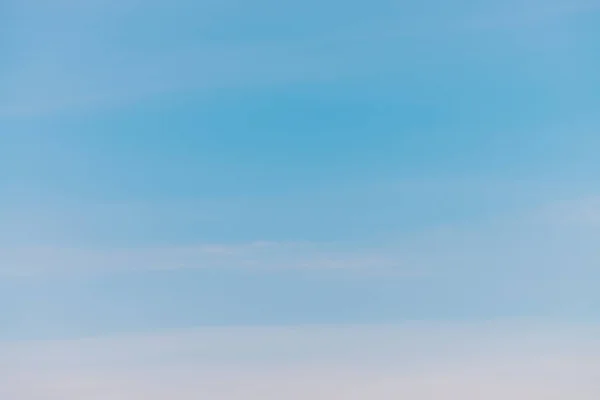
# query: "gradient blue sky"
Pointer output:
{"type": "Point", "coordinates": [174, 165]}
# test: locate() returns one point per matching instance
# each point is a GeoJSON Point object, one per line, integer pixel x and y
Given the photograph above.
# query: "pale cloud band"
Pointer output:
{"type": "Point", "coordinates": [553, 241]}
{"type": "Point", "coordinates": [418, 361]}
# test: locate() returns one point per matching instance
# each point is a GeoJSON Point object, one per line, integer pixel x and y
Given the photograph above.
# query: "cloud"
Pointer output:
{"type": "Point", "coordinates": [555, 243]}
{"type": "Point", "coordinates": [525, 264]}
{"type": "Point", "coordinates": [254, 255]}
{"type": "Point", "coordinates": [493, 360]}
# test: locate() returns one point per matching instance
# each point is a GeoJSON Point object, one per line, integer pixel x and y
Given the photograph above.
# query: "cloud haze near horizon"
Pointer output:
{"type": "Point", "coordinates": [494, 360]}
{"type": "Point", "coordinates": [269, 200]}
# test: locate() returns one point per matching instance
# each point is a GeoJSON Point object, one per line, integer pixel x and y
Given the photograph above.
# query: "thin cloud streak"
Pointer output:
{"type": "Point", "coordinates": [553, 240]}
{"type": "Point", "coordinates": [40, 261]}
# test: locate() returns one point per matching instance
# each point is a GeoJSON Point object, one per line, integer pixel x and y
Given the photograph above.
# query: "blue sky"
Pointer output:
{"type": "Point", "coordinates": [185, 165]}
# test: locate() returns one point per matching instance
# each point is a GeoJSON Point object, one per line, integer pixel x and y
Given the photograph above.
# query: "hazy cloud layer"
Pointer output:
{"type": "Point", "coordinates": [494, 360]}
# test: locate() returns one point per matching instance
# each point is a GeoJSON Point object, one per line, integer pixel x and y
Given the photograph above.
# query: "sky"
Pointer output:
{"type": "Point", "coordinates": [266, 200]}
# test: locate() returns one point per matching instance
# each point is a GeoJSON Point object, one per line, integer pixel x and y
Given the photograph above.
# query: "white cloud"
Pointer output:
{"type": "Point", "coordinates": [415, 362]}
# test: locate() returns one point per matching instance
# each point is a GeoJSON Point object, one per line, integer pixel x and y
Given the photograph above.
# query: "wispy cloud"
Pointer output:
{"type": "Point", "coordinates": [414, 361]}
{"type": "Point", "coordinates": [552, 240]}
{"type": "Point", "coordinates": [254, 255]}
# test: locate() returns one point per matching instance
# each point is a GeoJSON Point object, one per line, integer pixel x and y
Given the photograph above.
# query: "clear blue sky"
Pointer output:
{"type": "Point", "coordinates": [180, 164]}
